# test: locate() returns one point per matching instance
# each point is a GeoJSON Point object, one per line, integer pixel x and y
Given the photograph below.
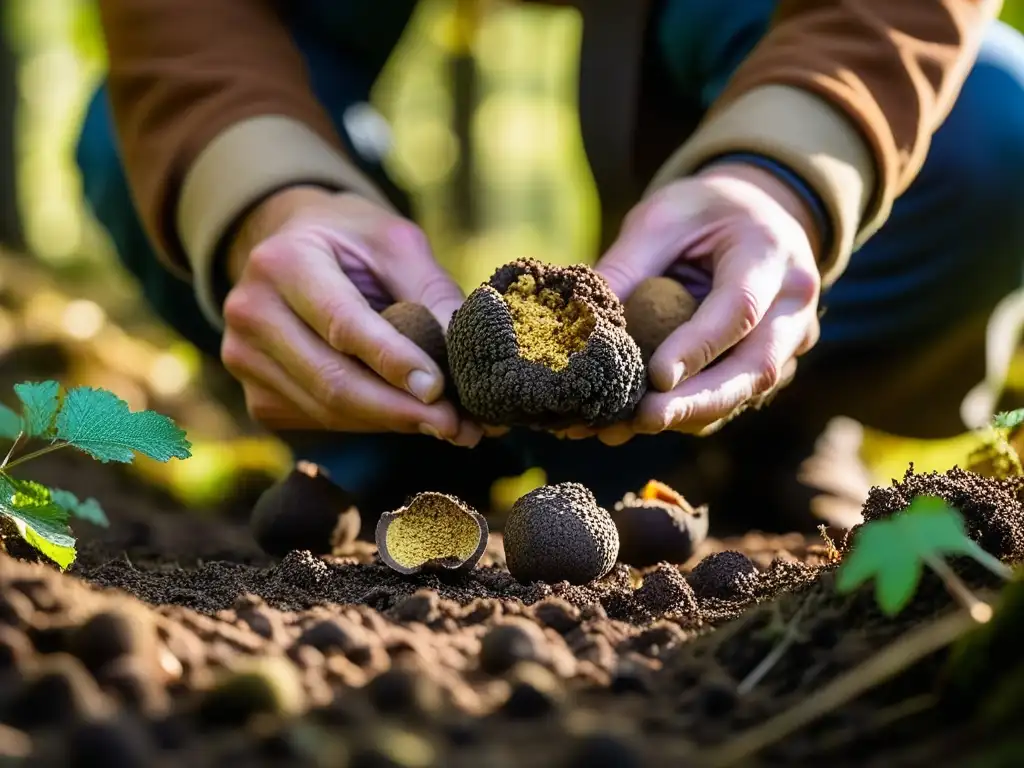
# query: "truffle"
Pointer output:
{"type": "Point", "coordinates": [304, 511]}
{"type": "Point", "coordinates": [416, 322]}
{"type": "Point", "coordinates": [658, 525]}
{"type": "Point", "coordinates": [724, 575]}
{"type": "Point", "coordinates": [433, 531]}
{"type": "Point", "coordinates": [655, 309]}
{"type": "Point", "coordinates": [559, 533]}
{"type": "Point", "coordinates": [545, 347]}
{"type": "Point", "coordinates": [666, 590]}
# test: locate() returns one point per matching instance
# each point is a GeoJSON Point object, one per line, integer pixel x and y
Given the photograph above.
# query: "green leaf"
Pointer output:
{"type": "Point", "coordinates": [1008, 419]}
{"type": "Point", "coordinates": [40, 521]}
{"type": "Point", "coordinates": [40, 400]}
{"type": "Point", "coordinates": [893, 551]}
{"type": "Point", "coordinates": [100, 423]}
{"type": "Point", "coordinates": [89, 509]}
{"type": "Point", "coordinates": [10, 423]}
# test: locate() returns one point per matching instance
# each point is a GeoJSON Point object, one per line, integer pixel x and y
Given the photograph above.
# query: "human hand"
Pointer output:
{"type": "Point", "coordinates": [310, 271]}
{"type": "Point", "coordinates": [756, 240]}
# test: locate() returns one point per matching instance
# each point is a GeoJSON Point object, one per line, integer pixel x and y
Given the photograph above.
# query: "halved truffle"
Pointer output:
{"type": "Point", "coordinates": [658, 525]}
{"type": "Point", "coordinates": [559, 533]}
{"type": "Point", "coordinates": [546, 347]}
{"type": "Point", "coordinates": [304, 511]}
{"type": "Point", "coordinates": [434, 531]}
{"type": "Point", "coordinates": [655, 309]}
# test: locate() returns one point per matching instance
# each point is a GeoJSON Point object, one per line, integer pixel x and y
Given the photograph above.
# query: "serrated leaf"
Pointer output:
{"type": "Point", "coordinates": [40, 400]}
{"type": "Point", "coordinates": [10, 423]}
{"type": "Point", "coordinates": [89, 509]}
{"type": "Point", "coordinates": [100, 423]}
{"type": "Point", "coordinates": [1009, 419]}
{"type": "Point", "coordinates": [40, 521]}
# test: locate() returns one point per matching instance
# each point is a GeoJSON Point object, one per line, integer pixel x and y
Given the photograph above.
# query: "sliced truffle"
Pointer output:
{"type": "Point", "coordinates": [545, 347]}
{"type": "Point", "coordinates": [305, 511]}
{"type": "Point", "coordinates": [433, 531]}
{"type": "Point", "coordinates": [559, 533]}
{"type": "Point", "coordinates": [658, 525]}
{"type": "Point", "coordinates": [655, 309]}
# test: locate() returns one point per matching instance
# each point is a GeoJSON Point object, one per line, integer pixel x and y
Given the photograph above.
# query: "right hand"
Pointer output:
{"type": "Point", "coordinates": [310, 351]}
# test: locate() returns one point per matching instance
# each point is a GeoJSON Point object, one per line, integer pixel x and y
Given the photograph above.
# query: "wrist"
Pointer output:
{"type": "Point", "coordinates": [265, 219]}
{"type": "Point", "coordinates": [794, 197]}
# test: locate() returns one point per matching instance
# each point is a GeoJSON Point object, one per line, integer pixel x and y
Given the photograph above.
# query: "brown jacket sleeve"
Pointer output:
{"type": "Point", "coordinates": [847, 93]}
{"type": "Point", "coordinates": [213, 111]}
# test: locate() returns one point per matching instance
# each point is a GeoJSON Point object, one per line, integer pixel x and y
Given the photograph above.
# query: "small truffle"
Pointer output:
{"type": "Point", "coordinates": [305, 511]}
{"type": "Point", "coordinates": [724, 575]}
{"type": "Point", "coordinates": [655, 309]}
{"type": "Point", "coordinates": [544, 347]}
{"type": "Point", "coordinates": [666, 590]}
{"type": "Point", "coordinates": [433, 531]}
{"type": "Point", "coordinates": [658, 525]}
{"type": "Point", "coordinates": [559, 533]}
{"type": "Point", "coordinates": [416, 322]}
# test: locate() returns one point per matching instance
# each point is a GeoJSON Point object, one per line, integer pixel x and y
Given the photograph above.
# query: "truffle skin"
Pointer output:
{"type": "Point", "coordinates": [655, 309]}
{"type": "Point", "coordinates": [725, 575]}
{"type": "Point", "coordinates": [601, 383]}
{"type": "Point", "coordinates": [559, 533]}
{"type": "Point", "coordinates": [416, 322]}
{"type": "Point", "coordinates": [658, 530]}
{"type": "Point", "coordinates": [306, 510]}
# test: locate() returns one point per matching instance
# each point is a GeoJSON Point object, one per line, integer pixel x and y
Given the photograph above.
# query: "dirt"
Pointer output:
{"type": "Point", "coordinates": [174, 639]}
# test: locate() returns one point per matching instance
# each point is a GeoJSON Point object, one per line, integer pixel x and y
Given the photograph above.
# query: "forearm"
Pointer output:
{"type": "Point", "coordinates": [847, 94]}
{"type": "Point", "coordinates": [214, 112]}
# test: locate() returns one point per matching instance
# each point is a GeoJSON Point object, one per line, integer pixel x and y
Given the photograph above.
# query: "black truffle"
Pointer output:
{"type": "Point", "coordinates": [434, 531]}
{"type": "Point", "coordinates": [655, 309]}
{"type": "Point", "coordinates": [559, 533]}
{"type": "Point", "coordinates": [724, 575]}
{"type": "Point", "coordinates": [658, 525]}
{"type": "Point", "coordinates": [416, 322]}
{"type": "Point", "coordinates": [666, 590]}
{"type": "Point", "coordinates": [545, 347]}
{"type": "Point", "coordinates": [305, 511]}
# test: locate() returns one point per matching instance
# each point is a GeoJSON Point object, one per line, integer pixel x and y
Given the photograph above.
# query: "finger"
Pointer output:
{"type": "Point", "coordinates": [410, 272]}
{"type": "Point", "coordinates": [755, 366]}
{"type": "Point", "coordinates": [492, 431]}
{"type": "Point", "coordinates": [318, 291]}
{"type": "Point", "coordinates": [580, 432]}
{"type": "Point", "coordinates": [617, 434]}
{"type": "Point", "coordinates": [340, 385]}
{"type": "Point", "coordinates": [746, 283]}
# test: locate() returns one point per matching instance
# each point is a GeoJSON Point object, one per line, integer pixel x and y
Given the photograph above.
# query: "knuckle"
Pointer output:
{"type": "Point", "coordinates": [436, 289]}
{"type": "Point", "coordinates": [242, 311]}
{"type": "Point", "coordinates": [748, 310]}
{"type": "Point", "coordinates": [329, 386]}
{"type": "Point", "coordinates": [340, 331]}
{"type": "Point", "coordinates": [400, 235]}
{"type": "Point", "coordinates": [769, 374]}
{"type": "Point", "coordinates": [804, 285]}
{"type": "Point", "coordinates": [706, 354]}
{"type": "Point", "coordinates": [268, 258]}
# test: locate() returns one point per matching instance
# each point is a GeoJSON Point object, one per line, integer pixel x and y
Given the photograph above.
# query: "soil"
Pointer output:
{"type": "Point", "coordinates": [174, 640]}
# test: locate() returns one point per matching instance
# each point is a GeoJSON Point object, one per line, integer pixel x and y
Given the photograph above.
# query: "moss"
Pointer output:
{"type": "Point", "coordinates": [544, 347]}
{"type": "Point", "coordinates": [434, 529]}
{"type": "Point", "coordinates": [559, 533]}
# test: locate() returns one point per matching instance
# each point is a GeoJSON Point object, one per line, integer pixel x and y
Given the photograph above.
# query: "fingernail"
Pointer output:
{"type": "Point", "coordinates": [430, 431]}
{"type": "Point", "coordinates": [422, 385]}
{"type": "Point", "coordinates": [678, 373]}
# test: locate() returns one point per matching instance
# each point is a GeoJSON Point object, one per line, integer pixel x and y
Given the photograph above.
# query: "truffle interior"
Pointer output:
{"type": "Point", "coordinates": [432, 529]}
{"type": "Point", "coordinates": [548, 328]}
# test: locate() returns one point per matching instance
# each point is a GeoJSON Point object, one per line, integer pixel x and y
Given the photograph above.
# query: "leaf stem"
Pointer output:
{"type": "Point", "coordinates": [36, 454]}
{"type": "Point", "coordinates": [990, 561]}
{"type": "Point", "coordinates": [978, 610]}
{"type": "Point", "coordinates": [10, 453]}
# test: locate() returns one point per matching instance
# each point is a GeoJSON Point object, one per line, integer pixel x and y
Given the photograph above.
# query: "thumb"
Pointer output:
{"type": "Point", "coordinates": [413, 274]}
{"type": "Point", "coordinates": [657, 233]}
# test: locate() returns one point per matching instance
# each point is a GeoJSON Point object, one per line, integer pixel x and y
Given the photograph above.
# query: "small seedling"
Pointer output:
{"type": "Point", "coordinates": [94, 421]}
{"type": "Point", "coordinates": [997, 452]}
{"type": "Point", "coordinates": [893, 552]}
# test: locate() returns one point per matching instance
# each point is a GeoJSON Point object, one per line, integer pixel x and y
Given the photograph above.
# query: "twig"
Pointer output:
{"type": "Point", "coordinates": [10, 453]}
{"type": "Point", "coordinates": [776, 653]}
{"type": "Point", "coordinates": [882, 718]}
{"type": "Point", "coordinates": [895, 657]}
{"type": "Point", "coordinates": [979, 610]}
{"type": "Point", "coordinates": [35, 454]}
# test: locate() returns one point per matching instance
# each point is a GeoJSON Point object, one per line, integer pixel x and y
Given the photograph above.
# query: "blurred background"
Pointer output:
{"type": "Point", "coordinates": [497, 174]}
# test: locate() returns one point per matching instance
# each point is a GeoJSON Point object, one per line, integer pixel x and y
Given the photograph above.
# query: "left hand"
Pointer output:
{"type": "Point", "coordinates": [756, 238]}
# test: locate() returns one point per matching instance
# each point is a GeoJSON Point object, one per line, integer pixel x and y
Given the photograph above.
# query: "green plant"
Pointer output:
{"type": "Point", "coordinates": [894, 552]}
{"type": "Point", "coordinates": [94, 421]}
